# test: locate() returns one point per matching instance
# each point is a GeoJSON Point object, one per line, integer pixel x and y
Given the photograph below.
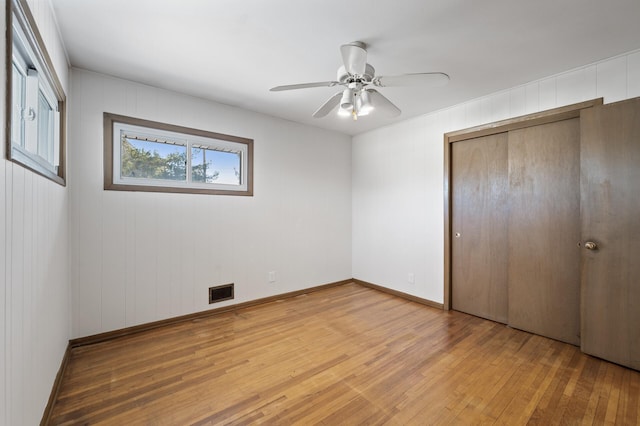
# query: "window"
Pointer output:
{"type": "Point", "coordinates": [36, 99]}
{"type": "Point", "coordinates": [142, 155]}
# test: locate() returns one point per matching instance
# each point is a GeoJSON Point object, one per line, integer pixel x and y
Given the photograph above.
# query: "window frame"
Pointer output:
{"type": "Point", "coordinates": [113, 123]}
{"type": "Point", "coordinates": [19, 15]}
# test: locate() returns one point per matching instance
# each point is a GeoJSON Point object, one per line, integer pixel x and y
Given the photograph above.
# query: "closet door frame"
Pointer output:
{"type": "Point", "coordinates": [535, 119]}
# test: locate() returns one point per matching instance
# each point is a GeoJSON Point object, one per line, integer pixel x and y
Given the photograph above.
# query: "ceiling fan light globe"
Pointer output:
{"type": "Point", "coordinates": [365, 106]}
{"type": "Point", "coordinates": [347, 99]}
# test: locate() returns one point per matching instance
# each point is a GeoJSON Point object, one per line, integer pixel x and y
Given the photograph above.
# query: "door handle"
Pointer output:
{"type": "Point", "coordinates": [590, 245]}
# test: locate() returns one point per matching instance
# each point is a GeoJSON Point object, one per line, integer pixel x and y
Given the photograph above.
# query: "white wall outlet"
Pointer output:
{"type": "Point", "coordinates": [272, 276]}
{"type": "Point", "coordinates": [411, 278]}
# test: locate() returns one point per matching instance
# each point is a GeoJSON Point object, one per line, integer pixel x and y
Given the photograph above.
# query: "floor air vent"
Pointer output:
{"type": "Point", "coordinates": [220, 293]}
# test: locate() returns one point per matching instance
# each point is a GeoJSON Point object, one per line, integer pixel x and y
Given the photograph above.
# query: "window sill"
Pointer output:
{"type": "Point", "coordinates": [27, 160]}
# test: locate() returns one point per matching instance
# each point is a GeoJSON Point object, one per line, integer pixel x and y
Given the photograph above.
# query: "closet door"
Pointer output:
{"type": "Point", "coordinates": [479, 183]}
{"type": "Point", "coordinates": [610, 157]}
{"type": "Point", "coordinates": [544, 230]}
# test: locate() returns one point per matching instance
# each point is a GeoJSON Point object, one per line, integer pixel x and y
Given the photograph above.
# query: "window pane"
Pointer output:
{"type": "Point", "coordinates": [213, 166]}
{"type": "Point", "coordinates": [17, 99]}
{"type": "Point", "coordinates": [152, 160]}
{"type": "Point", "coordinates": [155, 156]}
{"type": "Point", "coordinates": [35, 95]}
{"type": "Point", "coordinates": [45, 129]}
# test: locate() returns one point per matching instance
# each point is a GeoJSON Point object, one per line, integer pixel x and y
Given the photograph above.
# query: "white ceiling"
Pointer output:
{"type": "Point", "coordinates": [233, 51]}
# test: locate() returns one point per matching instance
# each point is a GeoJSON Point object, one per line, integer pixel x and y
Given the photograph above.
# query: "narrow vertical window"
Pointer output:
{"type": "Point", "coordinates": [34, 131]}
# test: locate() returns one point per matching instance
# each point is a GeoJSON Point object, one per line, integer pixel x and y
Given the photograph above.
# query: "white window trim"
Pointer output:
{"type": "Point", "coordinates": [116, 125]}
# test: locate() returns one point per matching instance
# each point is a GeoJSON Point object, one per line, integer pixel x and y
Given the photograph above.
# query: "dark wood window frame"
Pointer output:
{"type": "Point", "coordinates": [535, 119]}
{"type": "Point", "coordinates": [17, 154]}
{"type": "Point", "coordinates": [111, 119]}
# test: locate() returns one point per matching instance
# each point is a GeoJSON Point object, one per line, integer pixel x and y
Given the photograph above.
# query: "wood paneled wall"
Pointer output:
{"type": "Point", "coordinates": [34, 268]}
{"type": "Point", "coordinates": [398, 215]}
{"type": "Point", "coordinates": [139, 257]}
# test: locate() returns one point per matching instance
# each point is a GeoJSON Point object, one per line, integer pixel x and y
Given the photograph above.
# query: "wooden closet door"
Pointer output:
{"type": "Point", "coordinates": [544, 230]}
{"type": "Point", "coordinates": [610, 157]}
{"type": "Point", "coordinates": [479, 226]}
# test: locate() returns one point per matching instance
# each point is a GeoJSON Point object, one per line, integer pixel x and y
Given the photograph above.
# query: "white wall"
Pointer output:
{"type": "Point", "coordinates": [398, 211]}
{"type": "Point", "coordinates": [34, 277]}
{"type": "Point", "coordinates": [139, 257]}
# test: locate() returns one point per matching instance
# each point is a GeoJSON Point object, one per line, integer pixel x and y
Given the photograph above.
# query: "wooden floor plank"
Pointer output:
{"type": "Point", "coordinates": [342, 355]}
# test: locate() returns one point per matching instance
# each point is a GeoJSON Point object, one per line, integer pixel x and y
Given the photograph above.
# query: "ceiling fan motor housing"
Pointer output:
{"type": "Point", "coordinates": [345, 78]}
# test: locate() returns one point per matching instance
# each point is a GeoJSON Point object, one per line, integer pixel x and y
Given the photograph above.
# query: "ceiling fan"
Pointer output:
{"type": "Point", "coordinates": [358, 78]}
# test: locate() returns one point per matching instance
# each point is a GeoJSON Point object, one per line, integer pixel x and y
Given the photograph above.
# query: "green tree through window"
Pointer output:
{"type": "Point", "coordinates": [143, 155]}
{"type": "Point", "coordinates": [153, 160]}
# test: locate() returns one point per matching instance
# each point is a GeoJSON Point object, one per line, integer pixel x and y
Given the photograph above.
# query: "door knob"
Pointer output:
{"type": "Point", "coordinates": [590, 245]}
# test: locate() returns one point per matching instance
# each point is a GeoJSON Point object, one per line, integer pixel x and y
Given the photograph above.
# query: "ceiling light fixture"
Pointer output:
{"type": "Point", "coordinates": [365, 106]}
{"type": "Point", "coordinates": [355, 101]}
{"type": "Point", "coordinates": [360, 82]}
{"type": "Point", "coordinates": [346, 102]}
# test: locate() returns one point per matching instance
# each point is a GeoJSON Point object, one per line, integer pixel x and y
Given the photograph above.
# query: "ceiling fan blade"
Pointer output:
{"type": "Point", "coordinates": [304, 86]}
{"type": "Point", "coordinates": [354, 57]}
{"type": "Point", "coordinates": [328, 106]}
{"type": "Point", "coordinates": [429, 79]}
{"type": "Point", "coordinates": [381, 103]}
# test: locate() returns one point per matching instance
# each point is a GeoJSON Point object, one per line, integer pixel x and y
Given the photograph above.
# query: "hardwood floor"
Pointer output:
{"type": "Point", "coordinates": [344, 355]}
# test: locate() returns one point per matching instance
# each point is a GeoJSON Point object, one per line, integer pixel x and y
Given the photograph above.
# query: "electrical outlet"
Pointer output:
{"type": "Point", "coordinates": [411, 278]}
{"type": "Point", "coordinates": [272, 276]}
